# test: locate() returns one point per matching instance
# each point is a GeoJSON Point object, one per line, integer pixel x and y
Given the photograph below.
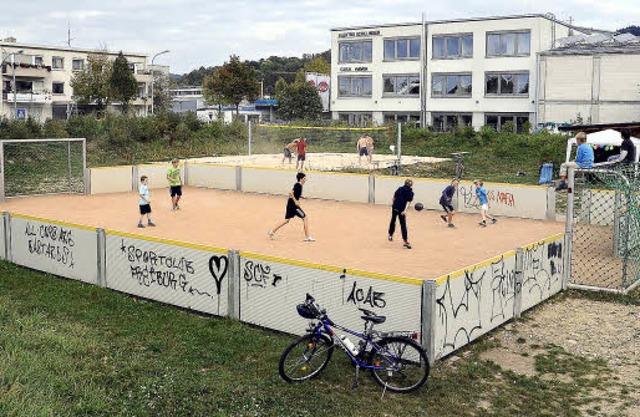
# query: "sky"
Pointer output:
{"type": "Point", "coordinates": [206, 33]}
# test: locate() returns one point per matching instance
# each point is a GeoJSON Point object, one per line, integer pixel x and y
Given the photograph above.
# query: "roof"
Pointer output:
{"type": "Point", "coordinates": [18, 45]}
{"type": "Point", "coordinates": [633, 127]}
{"type": "Point", "coordinates": [548, 16]}
{"type": "Point", "coordinates": [600, 43]}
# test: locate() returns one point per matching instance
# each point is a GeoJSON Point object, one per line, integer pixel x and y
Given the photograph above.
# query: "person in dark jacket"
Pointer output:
{"type": "Point", "coordinates": [402, 199]}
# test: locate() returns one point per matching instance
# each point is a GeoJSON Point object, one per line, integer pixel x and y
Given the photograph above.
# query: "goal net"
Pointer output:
{"type": "Point", "coordinates": [273, 138]}
{"type": "Point", "coordinates": [42, 166]}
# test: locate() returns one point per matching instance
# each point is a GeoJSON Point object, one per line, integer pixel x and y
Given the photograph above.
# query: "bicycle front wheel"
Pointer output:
{"type": "Point", "coordinates": [305, 357]}
{"type": "Point", "coordinates": [402, 364]}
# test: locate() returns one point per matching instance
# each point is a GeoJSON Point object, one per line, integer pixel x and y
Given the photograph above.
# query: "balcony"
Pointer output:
{"type": "Point", "coordinates": [26, 70]}
{"type": "Point", "coordinates": [27, 97]}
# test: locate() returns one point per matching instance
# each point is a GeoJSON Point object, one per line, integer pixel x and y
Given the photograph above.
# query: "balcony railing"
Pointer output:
{"type": "Point", "coordinates": [27, 97]}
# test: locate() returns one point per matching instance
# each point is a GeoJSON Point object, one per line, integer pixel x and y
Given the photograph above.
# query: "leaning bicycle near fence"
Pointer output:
{"type": "Point", "coordinates": [396, 361]}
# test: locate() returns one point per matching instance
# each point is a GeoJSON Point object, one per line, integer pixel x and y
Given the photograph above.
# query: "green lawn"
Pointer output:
{"type": "Point", "coordinates": [72, 349]}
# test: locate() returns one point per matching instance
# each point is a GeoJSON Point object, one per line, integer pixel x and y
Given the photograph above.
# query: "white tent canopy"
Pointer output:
{"type": "Point", "coordinates": [607, 137]}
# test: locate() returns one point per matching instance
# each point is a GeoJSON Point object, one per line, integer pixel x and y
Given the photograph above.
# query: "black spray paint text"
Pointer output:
{"type": "Point", "coordinates": [52, 242]}
{"type": "Point", "coordinates": [370, 297]}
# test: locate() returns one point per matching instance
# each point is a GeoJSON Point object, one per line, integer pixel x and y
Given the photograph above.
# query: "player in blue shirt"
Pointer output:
{"type": "Point", "coordinates": [584, 159]}
{"type": "Point", "coordinates": [481, 194]}
{"type": "Point", "coordinates": [446, 200]}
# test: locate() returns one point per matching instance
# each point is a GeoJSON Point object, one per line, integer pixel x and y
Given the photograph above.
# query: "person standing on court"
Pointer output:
{"type": "Point", "coordinates": [289, 149]}
{"type": "Point", "coordinates": [294, 209]}
{"type": "Point", "coordinates": [362, 147]}
{"type": "Point", "coordinates": [446, 200]}
{"type": "Point", "coordinates": [481, 195]}
{"type": "Point", "coordinates": [584, 159]}
{"type": "Point", "coordinates": [302, 153]}
{"type": "Point", "coordinates": [174, 176]}
{"type": "Point", "coordinates": [402, 198]}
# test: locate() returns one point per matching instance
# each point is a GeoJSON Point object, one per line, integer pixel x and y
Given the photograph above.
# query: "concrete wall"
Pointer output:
{"type": "Point", "coordinates": [111, 179]}
{"type": "Point", "coordinates": [222, 177]}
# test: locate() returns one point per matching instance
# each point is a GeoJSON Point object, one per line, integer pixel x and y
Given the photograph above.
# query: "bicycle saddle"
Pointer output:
{"type": "Point", "coordinates": [372, 317]}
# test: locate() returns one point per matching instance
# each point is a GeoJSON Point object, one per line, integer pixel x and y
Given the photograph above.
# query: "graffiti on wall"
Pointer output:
{"type": "Point", "coordinates": [462, 301]}
{"type": "Point", "coordinates": [52, 242]}
{"type": "Point", "coordinates": [172, 273]}
{"type": "Point", "coordinates": [542, 270]}
{"type": "Point", "coordinates": [467, 196]}
{"type": "Point", "coordinates": [259, 275]}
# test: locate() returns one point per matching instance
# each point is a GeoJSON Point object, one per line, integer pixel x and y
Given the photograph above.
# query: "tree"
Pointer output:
{"type": "Point", "coordinates": [318, 64]}
{"type": "Point", "coordinates": [212, 90]}
{"type": "Point", "coordinates": [122, 82]}
{"type": "Point", "coordinates": [91, 85]}
{"type": "Point", "coordinates": [234, 81]}
{"type": "Point", "coordinates": [299, 101]}
{"type": "Point", "coordinates": [281, 85]}
{"type": "Point", "coordinates": [161, 94]}
{"type": "Point", "coordinates": [634, 30]}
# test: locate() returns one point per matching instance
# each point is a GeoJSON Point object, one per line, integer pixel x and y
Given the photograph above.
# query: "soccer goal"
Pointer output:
{"type": "Point", "coordinates": [42, 166]}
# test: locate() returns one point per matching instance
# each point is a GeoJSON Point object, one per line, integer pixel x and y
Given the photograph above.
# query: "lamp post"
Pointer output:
{"type": "Point", "coordinates": [13, 76]}
{"type": "Point", "coordinates": [153, 74]}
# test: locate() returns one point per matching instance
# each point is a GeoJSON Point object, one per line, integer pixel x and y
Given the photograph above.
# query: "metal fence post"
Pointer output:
{"type": "Point", "coordinates": [429, 319]}
{"type": "Point", "coordinates": [134, 177]}
{"type": "Point", "coordinates": [519, 278]}
{"type": "Point", "coordinates": [249, 124]}
{"type": "Point", "coordinates": [568, 234]}
{"type": "Point", "coordinates": [186, 173]}
{"type": "Point", "coordinates": [233, 297]}
{"type": "Point", "coordinates": [7, 235]}
{"type": "Point", "coordinates": [238, 178]}
{"type": "Point", "coordinates": [2, 193]}
{"type": "Point", "coordinates": [102, 257]}
{"type": "Point", "coordinates": [372, 188]}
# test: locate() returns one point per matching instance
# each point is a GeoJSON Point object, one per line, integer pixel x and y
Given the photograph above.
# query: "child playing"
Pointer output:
{"type": "Point", "coordinates": [175, 183]}
{"type": "Point", "coordinates": [445, 202]}
{"type": "Point", "coordinates": [294, 209]}
{"type": "Point", "coordinates": [145, 202]}
{"type": "Point", "coordinates": [481, 193]}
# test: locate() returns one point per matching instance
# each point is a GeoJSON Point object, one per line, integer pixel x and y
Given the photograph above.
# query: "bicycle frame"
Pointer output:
{"type": "Point", "coordinates": [325, 325]}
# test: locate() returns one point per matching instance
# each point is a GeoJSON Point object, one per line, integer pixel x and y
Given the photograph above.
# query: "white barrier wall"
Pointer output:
{"type": "Point", "coordinates": [111, 179]}
{"type": "Point", "coordinates": [334, 186]}
{"type": "Point", "coordinates": [509, 200]}
{"type": "Point", "coordinates": [63, 249]}
{"type": "Point", "coordinates": [473, 301]}
{"type": "Point", "coordinates": [542, 270]}
{"type": "Point", "coordinates": [186, 275]}
{"type": "Point", "coordinates": [269, 181]}
{"type": "Point", "coordinates": [212, 176]}
{"type": "Point", "coordinates": [427, 192]}
{"type": "Point", "coordinates": [270, 289]}
{"type": "Point", "coordinates": [157, 174]}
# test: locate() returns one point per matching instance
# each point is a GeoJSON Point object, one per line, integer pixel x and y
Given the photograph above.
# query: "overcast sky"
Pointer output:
{"type": "Point", "coordinates": [205, 33]}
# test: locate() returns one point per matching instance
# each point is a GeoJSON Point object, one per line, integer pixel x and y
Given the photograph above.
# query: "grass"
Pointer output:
{"type": "Point", "coordinates": [72, 349]}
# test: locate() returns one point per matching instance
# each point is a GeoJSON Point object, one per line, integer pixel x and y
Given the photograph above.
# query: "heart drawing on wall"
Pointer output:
{"type": "Point", "coordinates": [218, 266]}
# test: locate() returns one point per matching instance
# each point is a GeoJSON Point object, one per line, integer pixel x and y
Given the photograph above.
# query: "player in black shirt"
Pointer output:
{"type": "Point", "coordinates": [294, 209]}
{"type": "Point", "coordinates": [401, 200]}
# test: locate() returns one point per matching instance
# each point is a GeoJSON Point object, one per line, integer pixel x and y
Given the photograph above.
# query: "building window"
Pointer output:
{"type": "Point", "coordinates": [451, 85]}
{"type": "Point", "coordinates": [38, 60]}
{"type": "Point", "coordinates": [401, 49]}
{"type": "Point", "coordinates": [497, 121]}
{"type": "Point", "coordinates": [401, 85]}
{"type": "Point", "coordinates": [507, 83]}
{"type": "Point", "coordinates": [446, 122]}
{"type": "Point", "coordinates": [355, 51]}
{"type": "Point", "coordinates": [57, 62]}
{"type": "Point", "coordinates": [57, 88]}
{"type": "Point", "coordinates": [142, 90]}
{"type": "Point", "coordinates": [356, 119]}
{"type": "Point", "coordinates": [354, 86]}
{"type": "Point", "coordinates": [77, 64]}
{"type": "Point", "coordinates": [453, 47]}
{"type": "Point", "coordinates": [509, 44]}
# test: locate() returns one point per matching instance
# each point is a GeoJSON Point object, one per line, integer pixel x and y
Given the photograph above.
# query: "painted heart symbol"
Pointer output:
{"type": "Point", "coordinates": [218, 266]}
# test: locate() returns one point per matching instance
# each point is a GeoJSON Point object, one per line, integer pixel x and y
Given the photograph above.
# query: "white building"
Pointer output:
{"type": "Point", "coordinates": [591, 80]}
{"type": "Point", "coordinates": [188, 98]}
{"type": "Point", "coordinates": [477, 72]}
{"type": "Point", "coordinates": [43, 77]}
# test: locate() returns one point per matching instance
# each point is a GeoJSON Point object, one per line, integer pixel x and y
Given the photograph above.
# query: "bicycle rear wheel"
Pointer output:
{"type": "Point", "coordinates": [404, 362]}
{"type": "Point", "coordinates": [305, 357]}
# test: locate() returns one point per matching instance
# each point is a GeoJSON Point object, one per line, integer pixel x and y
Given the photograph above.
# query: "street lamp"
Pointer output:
{"type": "Point", "coordinates": [153, 74]}
{"type": "Point", "coordinates": [13, 76]}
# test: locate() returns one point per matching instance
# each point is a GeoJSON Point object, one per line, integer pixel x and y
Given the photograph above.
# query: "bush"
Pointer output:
{"type": "Point", "coordinates": [87, 127]}
{"type": "Point", "coordinates": [54, 129]}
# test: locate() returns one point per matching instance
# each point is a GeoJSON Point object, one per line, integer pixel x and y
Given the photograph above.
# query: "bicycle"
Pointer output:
{"type": "Point", "coordinates": [396, 361]}
{"type": "Point", "coordinates": [459, 171]}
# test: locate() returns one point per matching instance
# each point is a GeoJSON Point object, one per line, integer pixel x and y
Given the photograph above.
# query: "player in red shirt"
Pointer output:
{"type": "Point", "coordinates": [301, 145]}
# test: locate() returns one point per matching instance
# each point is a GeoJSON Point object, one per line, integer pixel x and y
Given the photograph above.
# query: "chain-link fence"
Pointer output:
{"type": "Point", "coordinates": [42, 166]}
{"type": "Point", "coordinates": [603, 219]}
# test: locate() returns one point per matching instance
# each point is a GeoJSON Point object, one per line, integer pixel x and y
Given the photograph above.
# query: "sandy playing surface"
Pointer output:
{"type": "Point", "coordinates": [318, 161]}
{"type": "Point", "coordinates": [349, 235]}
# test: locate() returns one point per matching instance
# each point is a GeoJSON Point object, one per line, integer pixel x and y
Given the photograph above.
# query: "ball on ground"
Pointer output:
{"type": "Point", "coordinates": [418, 206]}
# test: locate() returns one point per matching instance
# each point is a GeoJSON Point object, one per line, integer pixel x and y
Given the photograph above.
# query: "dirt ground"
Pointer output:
{"type": "Point", "coordinates": [349, 235]}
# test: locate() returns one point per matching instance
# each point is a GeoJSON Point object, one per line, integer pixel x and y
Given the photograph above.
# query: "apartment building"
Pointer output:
{"type": "Point", "coordinates": [42, 78]}
{"type": "Point", "coordinates": [466, 72]}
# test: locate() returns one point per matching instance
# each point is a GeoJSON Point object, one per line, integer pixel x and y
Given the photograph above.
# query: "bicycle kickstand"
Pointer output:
{"type": "Point", "coordinates": [355, 381]}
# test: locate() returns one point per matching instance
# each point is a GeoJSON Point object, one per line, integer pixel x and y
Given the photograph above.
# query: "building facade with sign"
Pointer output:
{"type": "Point", "coordinates": [474, 72]}
{"type": "Point", "coordinates": [43, 74]}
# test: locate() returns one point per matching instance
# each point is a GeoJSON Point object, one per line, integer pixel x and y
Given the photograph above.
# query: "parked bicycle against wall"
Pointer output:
{"type": "Point", "coordinates": [459, 171]}
{"type": "Point", "coordinates": [396, 361]}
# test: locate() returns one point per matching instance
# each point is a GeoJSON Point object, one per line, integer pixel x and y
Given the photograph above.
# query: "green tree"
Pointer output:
{"type": "Point", "coordinates": [281, 85]}
{"type": "Point", "coordinates": [91, 86]}
{"type": "Point", "coordinates": [161, 92]}
{"type": "Point", "coordinates": [299, 101]}
{"type": "Point", "coordinates": [318, 64]}
{"type": "Point", "coordinates": [122, 82]}
{"type": "Point", "coordinates": [235, 81]}
{"type": "Point", "coordinates": [212, 88]}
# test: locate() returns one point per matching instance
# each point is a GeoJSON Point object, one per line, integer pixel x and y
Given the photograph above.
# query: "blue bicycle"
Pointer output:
{"type": "Point", "coordinates": [397, 362]}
